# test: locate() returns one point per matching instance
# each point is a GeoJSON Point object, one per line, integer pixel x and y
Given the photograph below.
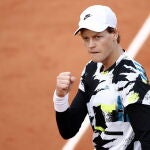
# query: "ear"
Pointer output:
{"type": "Point", "coordinates": [115, 34]}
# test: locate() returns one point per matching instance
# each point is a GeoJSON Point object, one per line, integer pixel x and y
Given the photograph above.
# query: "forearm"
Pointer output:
{"type": "Point", "coordinates": [69, 119]}
{"type": "Point", "coordinates": [66, 124]}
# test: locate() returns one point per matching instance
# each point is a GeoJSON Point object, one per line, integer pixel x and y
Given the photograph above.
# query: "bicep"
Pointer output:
{"type": "Point", "coordinates": [138, 110]}
{"type": "Point", "coordinates": [135, 92]}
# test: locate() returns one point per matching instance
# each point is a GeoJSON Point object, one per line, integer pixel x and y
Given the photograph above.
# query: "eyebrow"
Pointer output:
{"type": "Point", "coordinates": [96, 34]}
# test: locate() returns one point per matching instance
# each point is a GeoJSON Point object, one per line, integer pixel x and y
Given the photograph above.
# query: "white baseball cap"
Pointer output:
{"type": "Point", "coordinates": [97, 18]}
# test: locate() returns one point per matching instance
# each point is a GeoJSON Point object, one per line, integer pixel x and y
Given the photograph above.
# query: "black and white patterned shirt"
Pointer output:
{"type": "Point", "coordinates": [117, 101]}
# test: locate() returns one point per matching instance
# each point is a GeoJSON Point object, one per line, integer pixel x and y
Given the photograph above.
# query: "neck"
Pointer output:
{"type": "Point", "coordinates": [116, 53]}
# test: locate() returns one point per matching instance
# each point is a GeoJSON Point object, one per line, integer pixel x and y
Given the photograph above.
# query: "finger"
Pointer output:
{"type": "Point", "coordinates": [72, 79]}
{"type": "Point", "coordinates": [65, 82]}
{"type": "Point", "coordinates": [63, 87]}
{"type": "Point", "coordinates": [65, 78]}
{"type": "Point", "coordinates": [65, 74]}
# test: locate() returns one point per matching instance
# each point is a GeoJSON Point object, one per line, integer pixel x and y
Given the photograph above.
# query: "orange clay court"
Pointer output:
{"type": "Point", "coordinates": [36, 43]}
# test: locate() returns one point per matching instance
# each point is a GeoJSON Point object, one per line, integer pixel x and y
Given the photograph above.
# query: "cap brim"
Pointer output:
{"type": "Point", "coordinates": [91, 28]}
{"type": "Point", "coordinates": [77, 31]}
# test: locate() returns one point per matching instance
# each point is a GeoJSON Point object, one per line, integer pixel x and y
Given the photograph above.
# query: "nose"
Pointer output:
{"type": "Point", "coordinates": [91, 43]}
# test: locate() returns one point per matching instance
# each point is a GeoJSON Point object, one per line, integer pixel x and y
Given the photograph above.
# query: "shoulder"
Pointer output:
{"type": "Point", "coordinates": [129, 64]}
{"type": "Point", "coordinates": [90, 68]}
{"type": "Point", "coordinates": [130, 69]}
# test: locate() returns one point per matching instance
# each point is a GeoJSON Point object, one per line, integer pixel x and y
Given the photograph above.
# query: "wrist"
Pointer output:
{"type": "Point", "coordinates": [59, 94]}
{"type": "Point", "coordinates": [61, 103]}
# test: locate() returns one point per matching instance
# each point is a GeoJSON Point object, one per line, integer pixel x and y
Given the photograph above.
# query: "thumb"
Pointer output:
{"type": "Point", "coordinates": [72, 79]}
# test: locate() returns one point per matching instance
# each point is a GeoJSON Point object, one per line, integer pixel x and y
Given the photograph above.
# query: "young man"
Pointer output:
{"type": "Point", "coordinates": [113, 90]}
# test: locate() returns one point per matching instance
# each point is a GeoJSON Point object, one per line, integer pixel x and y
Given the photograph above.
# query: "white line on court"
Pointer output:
{"type": "Point", "coordinates": [140, 38]}
{"type": "Point", "coordinates": [133, 49]}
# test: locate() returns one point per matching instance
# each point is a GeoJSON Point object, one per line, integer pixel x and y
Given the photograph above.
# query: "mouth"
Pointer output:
{"type": "Point", "coordinates": [94, 52]}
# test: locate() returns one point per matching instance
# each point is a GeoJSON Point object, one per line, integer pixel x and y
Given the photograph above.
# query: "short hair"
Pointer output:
{"type": "Point", "coordinates": [112, 30]}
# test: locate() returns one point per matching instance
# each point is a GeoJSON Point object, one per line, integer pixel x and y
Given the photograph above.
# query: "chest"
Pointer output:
{"type": "Point", "coordinates": [106, 98]}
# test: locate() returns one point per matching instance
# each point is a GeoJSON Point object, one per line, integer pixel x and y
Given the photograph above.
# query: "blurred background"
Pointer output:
{"type": "Point", "coordinates": [36, 43]}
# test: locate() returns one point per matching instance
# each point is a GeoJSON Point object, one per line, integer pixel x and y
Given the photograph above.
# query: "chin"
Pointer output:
{"type": "Point", "coordinates": [96, 60]}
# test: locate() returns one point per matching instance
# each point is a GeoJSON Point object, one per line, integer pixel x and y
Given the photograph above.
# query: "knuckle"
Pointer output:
{"type": "Point", "coordinates": [65, 74]}
{"type": "Point", "coordinates": [64, 87]}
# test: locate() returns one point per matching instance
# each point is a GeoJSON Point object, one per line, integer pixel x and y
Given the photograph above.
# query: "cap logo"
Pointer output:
{"type": "Point", "coordinates": [87, 16]}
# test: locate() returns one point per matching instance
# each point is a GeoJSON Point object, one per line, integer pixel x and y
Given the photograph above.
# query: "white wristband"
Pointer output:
{"type": "Point", "coordinates": [61, 104]}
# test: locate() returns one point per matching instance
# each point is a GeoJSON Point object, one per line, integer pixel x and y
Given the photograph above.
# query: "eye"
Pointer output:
{"type": "Point", "coordinates": [85, 38]}
{"type": "Point", "coordinates": [98, 37]}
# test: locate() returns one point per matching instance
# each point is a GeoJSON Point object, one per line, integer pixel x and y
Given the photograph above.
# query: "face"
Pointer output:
{"type": "Point", "coordinates": [100, 45]}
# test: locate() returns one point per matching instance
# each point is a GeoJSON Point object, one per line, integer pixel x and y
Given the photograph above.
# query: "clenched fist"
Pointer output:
{"type": "Point", "coordinates": [64, 83]}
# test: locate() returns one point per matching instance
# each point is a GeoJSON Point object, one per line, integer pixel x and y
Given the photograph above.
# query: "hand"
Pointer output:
{"type": "Point", "coordinates": [64, 83]}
